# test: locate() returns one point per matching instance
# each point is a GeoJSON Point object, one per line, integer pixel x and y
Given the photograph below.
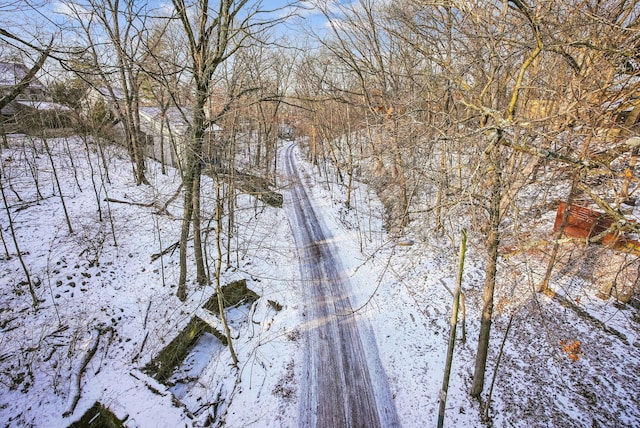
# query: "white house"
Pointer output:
{"type": "Point", "coordinates": [12, 73]}
{"type": "Point", "coordinates": [168, 134]}
{"type": "Point", "coordinates": [32, 107]}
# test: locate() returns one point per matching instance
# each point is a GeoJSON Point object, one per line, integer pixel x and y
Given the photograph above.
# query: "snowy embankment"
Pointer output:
{"type": "Point", "coordinates": [106, 306]}
{"type": "Point", "coordinates": [404, 293]}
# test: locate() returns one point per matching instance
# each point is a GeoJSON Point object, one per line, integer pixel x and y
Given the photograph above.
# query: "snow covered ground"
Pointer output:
{"type": "Point", "coordinates": [106, 309]}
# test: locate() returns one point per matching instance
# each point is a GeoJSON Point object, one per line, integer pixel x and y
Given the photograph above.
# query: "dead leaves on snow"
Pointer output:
{"type": "Point", "coordinates": [572, 349]}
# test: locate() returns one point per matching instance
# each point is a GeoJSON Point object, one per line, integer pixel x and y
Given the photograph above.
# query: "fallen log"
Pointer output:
{"type": "Point", "coordinates": [169, 249]}
{"type": "Point", "coordinates": [250, 185]}
{"type": "Point", "coordinates": [83, 367]}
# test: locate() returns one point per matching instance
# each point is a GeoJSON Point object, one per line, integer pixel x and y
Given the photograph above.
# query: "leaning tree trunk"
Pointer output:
{"type": "Point", "coordinates": [452, 332]}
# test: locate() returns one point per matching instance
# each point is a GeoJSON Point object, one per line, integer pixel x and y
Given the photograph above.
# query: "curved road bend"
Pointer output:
{"type": "Point", "coordinates": [343, 383]}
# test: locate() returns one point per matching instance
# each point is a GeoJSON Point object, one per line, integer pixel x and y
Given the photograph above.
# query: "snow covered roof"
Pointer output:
{"type": "Point", "coordinates": [104, 92]}
{"type": "Point", "coordinates": [43, 105]}
{"type": "Point", "coordinates": [175, 117]}
{"type": "Point", "coordinates": [213, 128]}
{"type": "Point", "coordinates": [11, 73]}
{"type": "Point", "coordinates": [620, 104]}
{"type": "Point", "coordinates": [9, 110]}
{"type": "Point", "coordinates": [16, 106]}
{"type": "Point", "coordinates": [172, 114]}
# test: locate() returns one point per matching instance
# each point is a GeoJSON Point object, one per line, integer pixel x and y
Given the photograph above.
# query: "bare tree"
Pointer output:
{"type": "Point", "coordinates": [466, 103]}
{"type": "Point", "coordinates": [113, 32]}
{"type": "Point", "coordinates": [268, 73]}
{"type": "Point", "coordinates": [209, 35]}
{"type": "Point", "coordinates": [213, 36]}
{"type": "Point", "coordinates": [164, 81]}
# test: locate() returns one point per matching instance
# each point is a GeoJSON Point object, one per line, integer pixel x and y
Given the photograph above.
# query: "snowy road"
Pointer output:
{"type": "Point", "coordinates": [343, 382]}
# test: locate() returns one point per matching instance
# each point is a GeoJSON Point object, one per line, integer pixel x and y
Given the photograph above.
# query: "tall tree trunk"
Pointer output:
{"type": "Point", "coordinates": [184, 232]}
{"type": "Point", "coordinates": [493, 241]}
{"type": "Point", "coordinates": [402, 182]}
{"type": "Point", "coordinates": [201, 275]}
{"type": "Point", "coordinates": [128, 77]}
{"type": "Point", "coordinates": [578, 176]}
{"type": "Point", "coordinates": [218, 271]}
{"type": "Point", "coordinates": [209, 30]}
{"type": "Point", "coordinates": [628, 172]}
{"type": "Point", "coordinates": [192, 199]}
{"type": "Point", "coordinates": [442, 188]}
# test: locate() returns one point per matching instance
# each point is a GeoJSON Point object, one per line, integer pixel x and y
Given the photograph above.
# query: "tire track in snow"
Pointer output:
{"type": "Point", "coordinates": [343, 383]}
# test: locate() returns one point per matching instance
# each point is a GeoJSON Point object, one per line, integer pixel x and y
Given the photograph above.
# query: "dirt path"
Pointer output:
{"type": "Point", "coordinates": [343, 383]}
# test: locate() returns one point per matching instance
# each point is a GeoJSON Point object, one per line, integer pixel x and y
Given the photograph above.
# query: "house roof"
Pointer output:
{"type": "Point", "coordinates": [11, 73]}
{"type": "Point", "coordinates": [17, 106]}
{"type": "Point", "coordinates": [214, 128]}
{"type": "Point", "coordinates": [105, 92]}
{"type": "Point", "coordinates": [174, 118]}
{"type": "Point", "coordinates": [43, 105]}
{"type": "Point", "coordinates": [9, 110]}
